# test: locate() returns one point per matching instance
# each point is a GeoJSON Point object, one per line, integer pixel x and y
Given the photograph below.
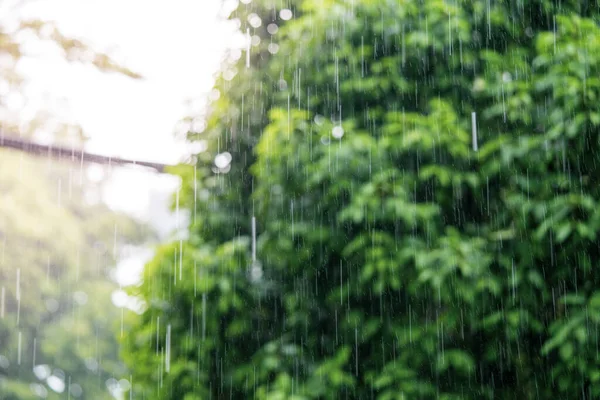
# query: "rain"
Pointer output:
{"type": "Point", "coordinates": [299, 199]}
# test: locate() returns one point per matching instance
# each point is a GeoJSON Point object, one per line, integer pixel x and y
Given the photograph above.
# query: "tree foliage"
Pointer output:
{"type": "Point", "coordinates": [395, 258]}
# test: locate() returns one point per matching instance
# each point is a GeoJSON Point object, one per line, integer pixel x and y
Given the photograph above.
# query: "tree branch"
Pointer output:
{"type": "Point", "coordinates": [72, 154]}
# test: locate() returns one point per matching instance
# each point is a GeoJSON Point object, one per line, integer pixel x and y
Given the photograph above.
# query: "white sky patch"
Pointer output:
{"type": "Point", "coordinates": [177, 46]}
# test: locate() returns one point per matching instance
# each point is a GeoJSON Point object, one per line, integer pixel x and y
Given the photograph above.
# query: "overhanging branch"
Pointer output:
{"type": "Point", "coordinates": [72, 154]}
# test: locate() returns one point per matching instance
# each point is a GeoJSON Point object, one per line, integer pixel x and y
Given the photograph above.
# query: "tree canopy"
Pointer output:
{"type": "Point", "coordinates": [422, 180]}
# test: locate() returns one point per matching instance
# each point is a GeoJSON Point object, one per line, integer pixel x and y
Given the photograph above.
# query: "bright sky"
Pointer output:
{"type": "Point", "coordinates": [177, 45]}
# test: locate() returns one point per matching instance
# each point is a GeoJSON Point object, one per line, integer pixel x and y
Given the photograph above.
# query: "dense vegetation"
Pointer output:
{"type": "Point", "coordinates": [424, 180]}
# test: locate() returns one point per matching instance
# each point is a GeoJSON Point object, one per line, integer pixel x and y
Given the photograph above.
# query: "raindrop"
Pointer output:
{"type": "Point", "coordinates": [474, 129]}
{"type": "Point", "coordinates": [273, 48]}
{"type": "Point", "coordinates": [195, 283]}
{"type": "Point", "coordinates": [337, 132]}
{"type": "Point", "coordinates": [41, 371]}
{"type": "Point", "coordinates": [112, 385]}
{"type": "Point", "coordinates": [282, 84]}
{"type": "Point", "coordinates": [506, 77]}
{"type": "Point", "coordinates": [2, 302]}
{"type": "Point", "coordinates": [168, 349]}
{"type": "Point", "coordinates": [319, 119]}
{"type": "Point", "coordinates": [255, 40]}
{"type": "Point", "coordinates": [56, 384]}
{"type": "Point", "coordinates": [203, 316]}
{"type": "Point", "coordinates": [529, 32]}
{"type": "Point", "coordinates": [478, 85]}
{"type": "Point", "coordinates": [362, 56]}
{"type": "Point", "coordinates": [256, 272]}
{"type": "Point", "coordinates": [204, 194]}
{"type": "Point", "coordinates": [91, 364]}
{"type": "Point", "coordinates": [19, 348]}
{"type": "Point", "coordinates": [124, 384]}
{"type": "Point", "coordinates": [513, 280]}
{"type": "Point", "coordinates": [119, 298]}
{"type": "Point", "coordinates": [272, 28]}
{"type": "Point", "coordinates": [503, 103]}
{"type": "Point", "coordinates": [18, 291]}
{"type": "Point", "coordinates": [356, 350]}
{"type": "Point", "coordinates": [180, 259]}
{"type": "Point", "coordinates": [341, 285]}
{"type": "Point", "coordinates": [248, 43]}
{"type": "Point", "coordinates": [198, 146]}
{"type": "Point", "coordinates": [246, 1]}
{"type": "Point", "coordinates": [253, 239]}
{"type": "Point", "coordinates": [75, 390]}
{"type": "Point", "coordinates": [489, 19]}
{"type": "Point", "coordinates": [325, 140]}
{"type": "Point", "coordinates": [254, 20]}
{"type": "Point", "coordinates": [554, 30]}
{"type": "Point", "coordinates": [285, 14]}
{"type": "Point", "coordinates": [4, 363]}
{"type": "Point", "coordinates": [223, 160]}
{"type": "Point", "coordinates": [157, 333]}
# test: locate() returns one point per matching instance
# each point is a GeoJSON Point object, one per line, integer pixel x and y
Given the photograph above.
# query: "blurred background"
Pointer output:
{"type": "Point", "coordinates": [115, 78]}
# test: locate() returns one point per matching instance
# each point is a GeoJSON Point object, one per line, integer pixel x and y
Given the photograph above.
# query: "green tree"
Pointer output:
{"type": "Point", "coordinates": [423, 177]}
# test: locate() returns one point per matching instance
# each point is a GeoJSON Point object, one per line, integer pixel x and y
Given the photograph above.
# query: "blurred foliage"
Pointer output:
{"type": "Point", "coordinates": [58, 244]}
{"type": "Point", "coordinates": [57, 252]}
{"type": "Point", "coordinates": [394, 259]}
